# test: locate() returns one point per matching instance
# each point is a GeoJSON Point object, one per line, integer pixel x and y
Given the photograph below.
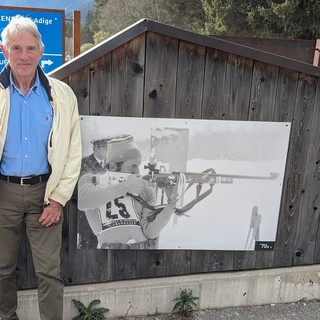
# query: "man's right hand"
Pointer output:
{"type": "Point", "coordinates": [135, 184]}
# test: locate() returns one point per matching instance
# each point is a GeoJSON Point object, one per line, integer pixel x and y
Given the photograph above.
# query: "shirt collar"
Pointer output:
{"type": "Point", "coordinates": [101, 162]}
{"type": "Point", "coordinates": [35, 86]}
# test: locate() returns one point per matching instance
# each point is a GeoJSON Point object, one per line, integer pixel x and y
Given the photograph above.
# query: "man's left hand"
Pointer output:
{"type": "Point", "coordinates": [51, 213]}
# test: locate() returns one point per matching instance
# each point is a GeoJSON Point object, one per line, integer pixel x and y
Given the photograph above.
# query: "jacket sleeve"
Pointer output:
{"type": "Point", "coordinates": [152, 227]}
{"type": "Point", "coordinates": [92, 196]}
{"type": "Point", "coordinates": [64, 147]}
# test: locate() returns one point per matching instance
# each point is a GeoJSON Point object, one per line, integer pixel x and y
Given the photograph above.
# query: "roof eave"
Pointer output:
{"type": "Point", "coordinates": [99, 50]}
{"type": "Point", "coordinates": [215, 43]}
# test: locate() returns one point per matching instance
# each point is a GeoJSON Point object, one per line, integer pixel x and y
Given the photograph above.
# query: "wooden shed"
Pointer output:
{"type": "Point", "coordinates": [155, 70]}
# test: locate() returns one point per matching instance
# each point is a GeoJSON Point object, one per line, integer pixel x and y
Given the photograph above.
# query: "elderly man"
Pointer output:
{"type": "Point", "coordinates": [40, 159]}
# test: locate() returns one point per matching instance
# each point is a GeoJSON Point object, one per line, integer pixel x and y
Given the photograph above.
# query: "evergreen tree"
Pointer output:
{"type": "Point", "coordinates": [68, 29]}
{"type": "Point", "coordinates": [263, 18]}
{"type": "Point", "coordinates": [114, 15]}
{"type": "Point", "coordinates": [256, 18]}
{"type": "Point", "coordinates": [89, 28]}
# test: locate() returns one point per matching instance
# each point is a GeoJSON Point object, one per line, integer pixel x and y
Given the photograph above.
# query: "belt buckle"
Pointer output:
{"type": "Point", "coordinates": [22, 179]}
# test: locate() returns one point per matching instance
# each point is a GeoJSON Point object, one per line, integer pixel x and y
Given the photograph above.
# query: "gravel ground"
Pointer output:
{"type": "Point", "coordinates": [293, 311]}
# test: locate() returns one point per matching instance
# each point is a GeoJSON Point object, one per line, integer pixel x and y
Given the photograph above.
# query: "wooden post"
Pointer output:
{"type": "Point", "coordinates": [316, 56]}
{"type": "Point", "coordinates": [76, 33]}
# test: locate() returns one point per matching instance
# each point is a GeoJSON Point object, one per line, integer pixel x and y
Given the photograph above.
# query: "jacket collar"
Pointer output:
{"type": "Point", "coordinates": [5, 79]}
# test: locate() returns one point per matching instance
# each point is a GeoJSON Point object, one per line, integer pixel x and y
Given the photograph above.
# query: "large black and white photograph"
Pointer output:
{"type": "Point", "coordinates": [151, 183]}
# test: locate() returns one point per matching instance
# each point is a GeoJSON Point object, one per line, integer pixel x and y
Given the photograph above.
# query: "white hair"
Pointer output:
{"type": "Point", "coordinates": [19, 23]}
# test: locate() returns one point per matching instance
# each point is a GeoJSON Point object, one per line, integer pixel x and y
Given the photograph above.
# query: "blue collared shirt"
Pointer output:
{"type": "Point", "coordinates": [29, 125]}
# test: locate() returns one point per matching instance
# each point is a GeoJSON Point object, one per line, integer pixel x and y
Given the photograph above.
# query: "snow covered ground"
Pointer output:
{"type": "Point", "coordinates": [222, 220]}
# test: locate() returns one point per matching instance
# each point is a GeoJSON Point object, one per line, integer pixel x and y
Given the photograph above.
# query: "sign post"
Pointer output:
{"type": "Point", "coordinates": [51, 26]}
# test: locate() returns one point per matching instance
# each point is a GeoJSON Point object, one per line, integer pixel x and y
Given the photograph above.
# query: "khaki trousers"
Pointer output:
{"type": "Point", "coordinates": [20, 204]}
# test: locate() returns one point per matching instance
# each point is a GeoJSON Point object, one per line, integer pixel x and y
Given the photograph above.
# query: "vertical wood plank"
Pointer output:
{"type": "Point", "coordinates": [100, 86]}
{"type": "Point", "coordinates": [159, 101]}
{"type": "Point", "coordinates": [127, 82]}
{"type": "Point", "coordinates": [128, 77]}
{"type": "Point", "coordinates": [308, 219]}
{"type": "Point", "coordinates": [160, 76]}
{"type": "Point", "coordinates": [243, 260]}
{"type": "Point", "coordinates": [190, 78]}
{"type": "Point", "coordinates": [316, 256]}
{"type": "Point", "coordinates": [213, 108]}
{"type": "Point", "coordinates": [262, 104]}
{"type": "Point", "coordinates": [214, 83]}
{"type": "Point", "coordinates": [237, 89]}
{"type": "Point", "coordinates": [211, 261]}
{"type": "Point", "coordinates": [178, 262]}
{"type": "Point", "coordinates": [298, 148]}
{"type": "Point", "coordinates": [151, 262]}
{"type": "Point", "coordinates": [79, 82]}
{"type": "Point", "coordinates": [79, 266]}
{"type": "Point", "coordinates": [123, 264]}
{"type": "Point", "coordinates": [263, 91]}
{"type": "Point", "coordinates": [71, 258]}
{"type": "Point", "coordinates": [264, 259]}
{"type": "Point", "coordinates": [286, 95]}
{"type": "Point", "coordinates": [283, 112]}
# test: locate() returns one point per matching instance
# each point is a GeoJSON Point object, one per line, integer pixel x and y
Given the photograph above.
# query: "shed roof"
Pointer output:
{"type": "Point", "coordinates": [145, 25]}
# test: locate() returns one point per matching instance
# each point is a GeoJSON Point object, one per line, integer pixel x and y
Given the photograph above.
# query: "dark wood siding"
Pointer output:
{"type": "Point", "coordinates": [298, 49]}
{"type": "Point", "coordinates": [160, 76]}
{"type": "Point", "coordinates": [155, 75]}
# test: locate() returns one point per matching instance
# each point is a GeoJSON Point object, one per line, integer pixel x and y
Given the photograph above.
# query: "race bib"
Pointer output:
{"type": "Point", "coordinates": [119, 217]}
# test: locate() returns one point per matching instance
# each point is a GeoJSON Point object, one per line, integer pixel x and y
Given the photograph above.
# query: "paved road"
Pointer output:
{"type": "Point", "coordinates": [293, 311]}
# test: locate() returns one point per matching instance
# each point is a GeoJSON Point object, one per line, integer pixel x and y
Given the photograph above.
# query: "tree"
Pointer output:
{"type": "Point", "coordinates": [69, 29]}
{"type": "Point", "coordinates": [100, 36]}
{"type": "Point", "coordinates": [294, 18]}
{"type": "Point", "coordinates": [263, 18]}
{"type": "Point", "coordinates": [256, 18]}
{"type": "Point", "coordinates": [114, 15]}
{"type": "Point", "coordinates": [89, 28]}
{"type": "Point", "coordinates": [86, 47]}
{"type": "Point", "coordinates": [187, 15]}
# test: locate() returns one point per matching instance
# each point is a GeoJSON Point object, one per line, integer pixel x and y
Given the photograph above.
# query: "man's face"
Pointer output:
{"type": "Point", "coordinates": [101, 152]}
{"type": "Point", "coordinates": [23, 54]}
{"type": "Point", "coordinates": [131, 166]}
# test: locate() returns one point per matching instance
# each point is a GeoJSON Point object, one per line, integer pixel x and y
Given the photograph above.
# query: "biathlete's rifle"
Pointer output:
{"type": "Point", "coordinates": [209, 176]}
{"type": "Point", "coordinates": [167, 179]}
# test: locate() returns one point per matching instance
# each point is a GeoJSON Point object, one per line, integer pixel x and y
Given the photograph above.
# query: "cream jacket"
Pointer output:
{"type": "Point", "coordinates": [64, 143]}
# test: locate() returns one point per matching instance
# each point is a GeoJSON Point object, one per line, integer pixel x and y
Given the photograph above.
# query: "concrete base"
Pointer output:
{"type": "Point", "coordinates": [215, 290]}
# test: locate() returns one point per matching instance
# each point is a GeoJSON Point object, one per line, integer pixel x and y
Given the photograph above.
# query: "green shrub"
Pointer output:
{"type": "Point", "coordinates": [89, 313]}
{"type": "Point", "coordinates": [185, 303]}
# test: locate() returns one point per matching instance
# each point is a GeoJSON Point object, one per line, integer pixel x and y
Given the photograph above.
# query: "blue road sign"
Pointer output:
{"type": "Point", "coordinates": [50, 25]}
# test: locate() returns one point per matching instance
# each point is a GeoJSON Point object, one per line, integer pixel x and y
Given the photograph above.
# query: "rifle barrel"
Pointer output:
{"type": "Point", "coordinates": [271, 176]}
{"type": "Point", "coordinates": [205, 177]}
